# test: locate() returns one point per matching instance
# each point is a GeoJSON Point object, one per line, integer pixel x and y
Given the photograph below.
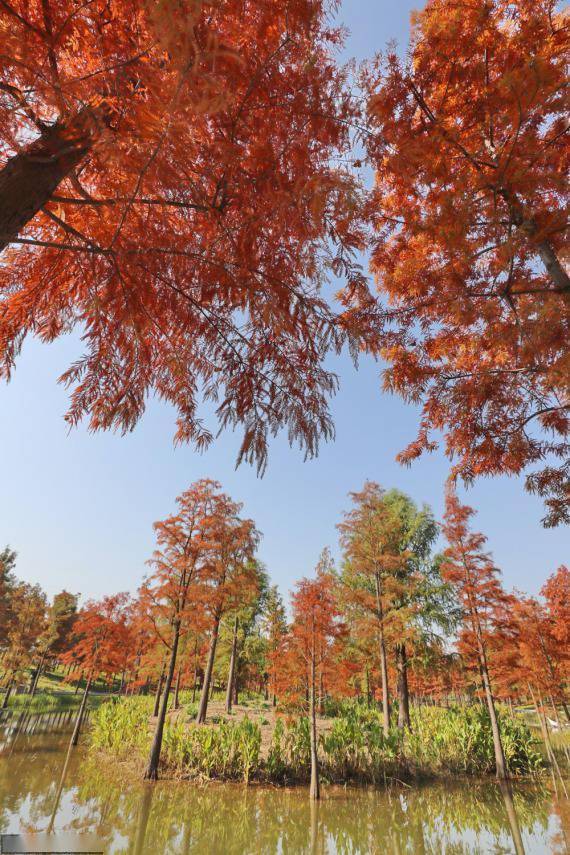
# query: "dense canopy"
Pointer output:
{"type": "Point", "coordinates": [469, 144]}
{"type": "Point", "coordinates": [172, 189]}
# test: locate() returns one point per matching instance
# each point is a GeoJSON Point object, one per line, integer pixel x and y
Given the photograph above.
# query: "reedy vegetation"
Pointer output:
{"type": "Point", "coordinates": [457, 740]}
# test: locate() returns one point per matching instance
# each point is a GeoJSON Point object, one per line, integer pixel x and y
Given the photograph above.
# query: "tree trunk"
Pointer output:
{"type": "Point", "coordinates": [176, 703]}
{"type": "Point", "coordinates": [195, 680]}
{"type": "Point", "coordinates": [231, 672]}
{"type": "Point", "coordinates": [30, 178]}
{"type": "Point", "coordinates": [321, 693]}
{"type": "Point", "coordinates": [158, 690]}
{"type": "Point", "coordinates": [539, 707]}
{"type": "Point", "coordinates": [500, 763]}
{"type": "Point", "coordinates": [37, 675]}
{"type": "Point", "coordinates": [383, 662]}
{"type": "Point", "coordinates": [558, 722]}
{"type": "Point", "coordinates": [553, 266]}
{"type": "Point", "coordinates": [512, 816]}
{"type": "Point", "coordinates": [314, 791]}
{"type": "Point", "coordinates": [527, 224]}
{"type": "Point", "coordinates": [403, 694]}
{"type": "Point", "coordinates": [555, 682]}
{"type": "Point", "coordinates": [7, 694]}
{"type": "Point", "coordinates": [79, 719]}
{"type": "Point", "coordinates": [203, 708]}
{"type": "Point", "coordinates": [151, 773]}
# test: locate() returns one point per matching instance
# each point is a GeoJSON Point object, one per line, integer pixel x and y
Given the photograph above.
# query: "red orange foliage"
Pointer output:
{"type": "Point", "coordinates": [101, 636]}
{"type": "Point", "coordinates": [468, 143]}
{"type": "Point", "coordinates": [170, 189]}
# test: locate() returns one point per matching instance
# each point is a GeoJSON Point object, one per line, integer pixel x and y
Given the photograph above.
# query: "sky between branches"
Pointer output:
{"type": "Point", "coordinates": [79, 508]}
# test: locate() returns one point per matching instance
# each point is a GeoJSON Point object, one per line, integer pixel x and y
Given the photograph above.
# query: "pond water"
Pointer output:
{"type": "Point", "coordinates": [39, 791]}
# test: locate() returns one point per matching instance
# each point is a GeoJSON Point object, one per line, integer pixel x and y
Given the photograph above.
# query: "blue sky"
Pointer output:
{"type": "Point", "coordinates": [79, 507]}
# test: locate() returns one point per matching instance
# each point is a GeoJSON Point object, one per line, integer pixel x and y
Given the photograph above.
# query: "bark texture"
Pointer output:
{"type": "Point", "coordinates": [203, 708]}
{"type": "Point", "coordinates": [403, 693]}
{"type": "Point", "coordinates": [81, 713]}
{"type": "Point", "coordinates": [151, 773]}
{"type": "Point", "coordinates": [383, 662]}
{"type": "Point", "coordinates": [232, 670]}
{"type": "Point", "coordinates": [30, 178]}
{"type": "Point", "coordinates": [315, 790]}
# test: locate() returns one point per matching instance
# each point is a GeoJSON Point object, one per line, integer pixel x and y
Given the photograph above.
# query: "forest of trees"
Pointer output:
{"type": "Point", "coordinates": [394, 624]}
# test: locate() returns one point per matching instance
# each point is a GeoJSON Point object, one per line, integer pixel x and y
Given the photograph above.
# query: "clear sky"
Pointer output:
{"type": "Point", "coordinates": [79, 507]}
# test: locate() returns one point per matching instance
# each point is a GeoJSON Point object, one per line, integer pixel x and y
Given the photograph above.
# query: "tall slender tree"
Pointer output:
{"type": "Point", "coordinates": [274, 623]}
{"type": "Point", "coordinates": [475, 577]}
{"type": "Point", "coordinates": [316, 624]}
{"type": "Point", "coordinates": [180, 562]}
{"type": "Point", "coordinates": [7, 581]}
{"type": "Point", "coordinates": [26, 625]}
{"type": "Point", "coordinates": [372, 534]}
{"type": "Point", "coordinates": [231, 577]}
{"type": "Point", "coordinates": [101, 634]}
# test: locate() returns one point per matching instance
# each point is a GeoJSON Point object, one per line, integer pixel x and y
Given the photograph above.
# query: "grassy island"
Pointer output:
{"type": "Point", "coordinates": [257, 742]}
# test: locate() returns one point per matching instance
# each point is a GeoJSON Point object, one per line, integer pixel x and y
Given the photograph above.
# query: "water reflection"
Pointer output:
{"type": "Point", "coordinates": [41, 784]}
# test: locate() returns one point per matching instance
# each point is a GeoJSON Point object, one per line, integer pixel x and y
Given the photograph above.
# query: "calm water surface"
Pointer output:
{"type": "Point", "coordinates": [39, 791]}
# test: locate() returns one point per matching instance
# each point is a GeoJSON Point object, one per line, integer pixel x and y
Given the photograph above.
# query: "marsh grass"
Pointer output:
{"type": "Point", "coordinates": [229, 751]}
{"type": "Point", "coordinates": [457, 740]}
{"type": "Point", "coordinates": [121, 726]}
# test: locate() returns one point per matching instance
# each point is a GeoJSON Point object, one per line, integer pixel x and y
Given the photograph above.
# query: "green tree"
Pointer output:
{"type": "Point", "coordinates": [7, 582]}
{"type": "Point", "coordinates": [372, 534]}
{"type": "Point", "coordinates": [243, 623]}
{"type": "Point", "coordinates": [425, 603]}
{"type": "Point", "coordinates": [274, 628]}
{"type": "Point", "coordinates": [392, 582]}
{"type": "Point", "coordinates": [58, 633]}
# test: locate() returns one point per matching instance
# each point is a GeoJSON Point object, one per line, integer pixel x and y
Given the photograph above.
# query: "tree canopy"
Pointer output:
{"type": "Point", "coordinates": [173, 188]}
{"type": "Point", "coordinates": [468, 141]}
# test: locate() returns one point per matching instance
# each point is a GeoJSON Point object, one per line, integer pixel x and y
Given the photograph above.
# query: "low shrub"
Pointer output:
{"type": "Point", "coordinates": [460, 739]}
{"type": "Point", "coordinates": [356, 748]}
{"type": "Point", "coordinates": [456, 740]}
{"type": "Point", "coordinates": [119, 726]}
{"type": "Point", "coordinates": [229, 750]}
{"type": "Point", "coordinates": [276, 764]}
{"type": "Point", "coordinates": [297, 746]}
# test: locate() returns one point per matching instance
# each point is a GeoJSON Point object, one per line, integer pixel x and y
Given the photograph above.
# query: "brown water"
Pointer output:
{"type": "Point", "coordinates": [131, 817]}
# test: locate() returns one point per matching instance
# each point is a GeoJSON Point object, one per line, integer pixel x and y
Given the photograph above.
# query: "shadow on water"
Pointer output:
{"type": "Point", "coordinates": [44, 786]}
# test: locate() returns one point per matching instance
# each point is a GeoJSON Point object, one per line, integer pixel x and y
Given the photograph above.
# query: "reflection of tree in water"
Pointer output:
{"type": "Point", "coordinates": [229, 819]}
{"type": "Point", "coordinates": [184, 818]}
{"type": "Point", "coordinates": [561, 839]}
{"type": "Point", "coordinates": [31, 778]}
